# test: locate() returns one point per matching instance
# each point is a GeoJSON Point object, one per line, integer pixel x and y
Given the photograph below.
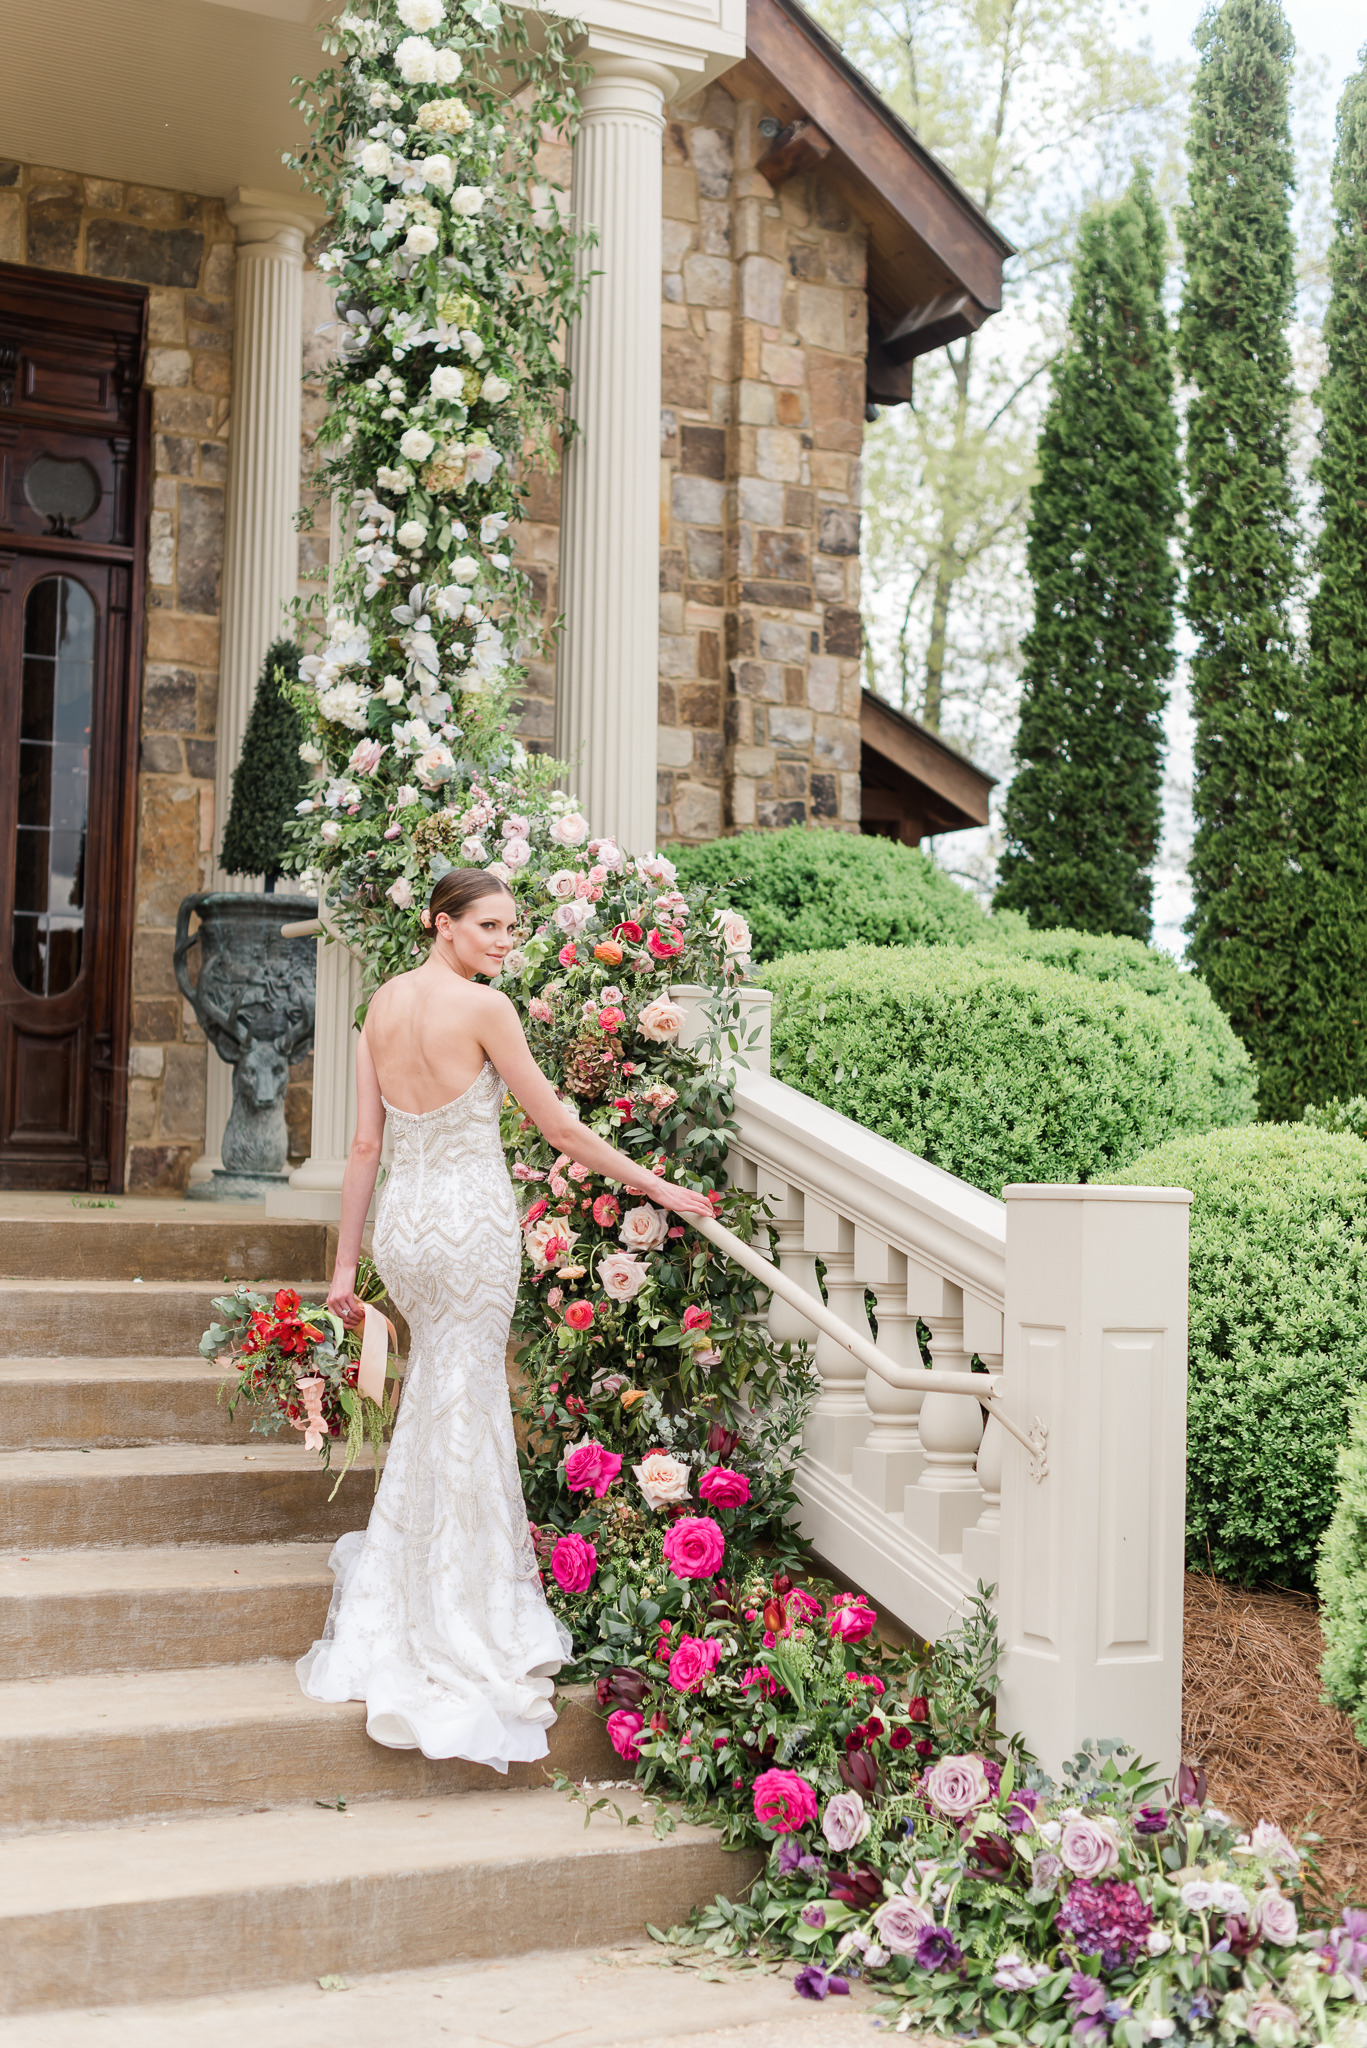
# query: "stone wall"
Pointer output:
{"type": "Point", "coordinates": [762, 377]}
{"type": "Point", "coordinates": [181, 247]}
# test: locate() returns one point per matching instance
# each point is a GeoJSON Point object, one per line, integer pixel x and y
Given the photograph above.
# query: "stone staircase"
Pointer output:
{"type": "Point", "coordinates": [162, 1778]}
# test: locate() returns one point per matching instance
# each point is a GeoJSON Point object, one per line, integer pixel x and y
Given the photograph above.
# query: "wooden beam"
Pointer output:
{"type": "Point", "coordinates": [800, 146]}
{"type": "Point", "coordinates": [951, 784]}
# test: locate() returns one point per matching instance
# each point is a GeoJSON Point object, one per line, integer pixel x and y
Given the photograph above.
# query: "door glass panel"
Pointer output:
{"type": "Point", "coordinates": [54, 784]}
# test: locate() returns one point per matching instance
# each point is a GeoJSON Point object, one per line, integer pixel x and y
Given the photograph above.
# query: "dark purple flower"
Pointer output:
{"type": "Point", "coordinates": [1087, 1999]}
{"type": "Point", "coordinates": [1019, 1808]}
{"type": "Point", "coordinates": [1151, 1820]}
{"type": "Point", "coordinates": [937, 1949]}
{"type": "Point", "coordinates": [812, 1981]}
{"type": "Point", "coordinates": [993, 1773]}
{"type": "Point", "coordinates": [1105, 1918]}
{"type": "Point", "coordinates": [1190, 1786]}
{"type": "Point", "coordinates": [788, 1854]}
{"type": "Point", "coordinates": [813, 1916]}
{"type": "Point", "coordinates": [622, 1688]}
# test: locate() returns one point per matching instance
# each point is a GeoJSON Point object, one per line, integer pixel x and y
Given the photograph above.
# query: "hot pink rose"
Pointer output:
{"type": "Point", "coordinates": [567, 956]}
{"type": "Point", "coordinates": [784, 1802]}
{"type": "Point", "coordinates": [574, 1562]}
{"type": "Point", "coordinates": [724, 1488]}
{"type": "Point", "coordinates": [694, 1547]}
{"type": "Point", "coordinates": [694, 1660]}
{"type": "Point", "coordinates": [589, 1468]}
{"type": "Point", "coordinates": [625, 1730]}
{"type": "Point", "coordinates": [851, 1618]}
{"type": "Point", "coordinates": [579, 1315]}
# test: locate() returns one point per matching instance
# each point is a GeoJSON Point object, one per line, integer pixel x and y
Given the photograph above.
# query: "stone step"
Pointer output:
{"type": "Point", "coordinates": [53, 1404]}
{"type": "Point", "coordinates": [87, 1751]}
{"type": "Point", "coordinates": [176, 1493]}
{"type": "Point", "coordinates": [113, 1318]}
{"type": "Point", "coordinates": [69, 1611]}
{"type": "Point", "coordinates": [122, 1915]}
{"type": "Point", "coordinates": [107, 1245]}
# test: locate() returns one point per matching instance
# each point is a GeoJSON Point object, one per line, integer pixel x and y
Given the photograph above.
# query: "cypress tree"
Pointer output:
{"type": "Point", "coordinates": [1084, 810]}
{"type": "Point", "coordinates": [1249, 903]}
{"type": "Point", "coordinates": [1331, 1018]}
{"type": "Point", "coordinates": [269, 778]}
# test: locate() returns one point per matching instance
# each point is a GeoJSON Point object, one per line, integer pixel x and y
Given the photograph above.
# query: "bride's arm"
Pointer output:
{"type": "Point", "coordinates": [503, 1039]}
{"type": "Point", "coordinates": [358, 1185]}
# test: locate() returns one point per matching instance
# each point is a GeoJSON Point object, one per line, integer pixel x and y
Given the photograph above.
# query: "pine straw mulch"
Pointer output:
{"type": "Point", "coordinates": [1252, 1715]}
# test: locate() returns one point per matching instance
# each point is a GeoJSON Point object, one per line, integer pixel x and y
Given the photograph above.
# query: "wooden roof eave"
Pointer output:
{"type": "Point", "coordinates": [956, 786]}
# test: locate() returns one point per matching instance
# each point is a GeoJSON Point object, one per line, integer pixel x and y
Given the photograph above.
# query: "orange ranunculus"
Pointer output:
{"type": "Point", "coordinates": [609, 952]}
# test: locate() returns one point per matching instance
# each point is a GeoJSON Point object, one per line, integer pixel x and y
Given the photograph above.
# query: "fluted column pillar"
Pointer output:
{"type": "Point", "coordinates": [260, 547]}
{"type": "Point", "coordinates": [610, 576]}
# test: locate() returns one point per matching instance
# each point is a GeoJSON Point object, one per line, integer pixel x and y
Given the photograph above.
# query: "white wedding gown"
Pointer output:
{"type": "Point", "coordinates": [438, 1621]}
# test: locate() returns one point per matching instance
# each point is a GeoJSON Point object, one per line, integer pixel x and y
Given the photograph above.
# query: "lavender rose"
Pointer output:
{"type": "Point", "coordinates": [900, 1924]}
{"type": "Point", "coordinates": [1274, 1918]}
{"type": "Point", "coordinates": [1089, 1848]}
{"type": "Point", "coordinates": [844, 1823]}
{"type": "Point", "coordinates": [956, 1786]}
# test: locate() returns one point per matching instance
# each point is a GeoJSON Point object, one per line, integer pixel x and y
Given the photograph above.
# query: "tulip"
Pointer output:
{"type": "Point", "coordinates": [622, 1688]}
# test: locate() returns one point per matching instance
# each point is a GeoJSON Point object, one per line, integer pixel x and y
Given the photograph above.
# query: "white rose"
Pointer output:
{"type": "Point", "coordinates": [471, 343]}
{"type": "Point", "coordinates": [735, 931]}
{"type": "Point", "coordinates": [662, 1479]}
{"type": "Point", "coordinates": [660, 1020]}
{"type": "Point", "coordinates": [515, 963]}
{"type": "Point", "coordinates": [562, 884]}
{"type": "Point", "coordinates": [644, 1229]}
{"type": "Point", "coordinates": [437, 765]}
{"type": "Point", "coordinates": [411, 534]}
{"type": "Point", "coordinates": [416, 61]}
{"type": "Point", "coordinates": [572, 917]}
{"type": "Point", "coordinates": [465, 568]}
{"type": "Point", "coordinates": [416, 445]}
{"type": "Point", "coordinates": [468, 200]}
{"type": "Point", "coordinates": [449, 67]}
{"type": "Point", "coordinates": [516, 853]}
{"type": "Point", "coordinates": [474, 850]}
{"type": "Point", "coordinates": [421, 15]}
{"type": "Point", "coordinates": [308, 752]}
{"type": "Point", "coordinates": [420, 240]}
{"type": "Point", "coordinates": [331, 832]}
{"type": "Point", "coordinates": [501, 869]}
{"type": "Point", "coordinates": [621, 1276]}
{"type": "Point", "coordinates": [437, 171]}
{"type": "Point", "coordinates": [494, 389]}
{"type": "Point", "coordinates": [400, 893]}
{"type": "Point", "coordinates": [550, 1229]}
{"type": "Point", "coordinates": [391, 691]}
{"type": "Point", "coordinates": [446, 382]}
{"type": "Point", "coordinates": [569, 829]}
{"type": "Point", "coordinates": [658, 869]}
{"type": "Point", "coordinates": [1157, 1941]}
{"type": "Point", "coordinates": [405, 794]}
{"type": "Point", "coordinates": [376, 160]}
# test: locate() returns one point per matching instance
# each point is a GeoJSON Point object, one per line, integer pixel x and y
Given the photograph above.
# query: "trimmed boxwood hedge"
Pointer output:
{"type": "Point", "coordinates": [1342, 1578]}
{"type": "Point", "coordinates": [996, 1069]}
{"type": "Point", "coordinates": [1278, 1347]}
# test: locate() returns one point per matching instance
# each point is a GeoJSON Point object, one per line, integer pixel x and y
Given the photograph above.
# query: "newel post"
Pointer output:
{"type": "Point", "coordinates": [1090, 1606]}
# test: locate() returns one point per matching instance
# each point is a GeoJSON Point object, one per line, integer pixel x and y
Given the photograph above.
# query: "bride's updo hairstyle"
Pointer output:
{"type": "Point", "coordinates": [455, 893]}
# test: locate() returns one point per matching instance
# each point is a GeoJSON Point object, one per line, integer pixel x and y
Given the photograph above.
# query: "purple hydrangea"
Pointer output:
{"type": "Point", "coordinates": [1151, 1820]}
{"type": "Point", "coordinates": [936, 1949]}
{"type": "Point", "coordinates": [812, 1981]}
{"type": "Point", "coordinates": [1105, 1918]}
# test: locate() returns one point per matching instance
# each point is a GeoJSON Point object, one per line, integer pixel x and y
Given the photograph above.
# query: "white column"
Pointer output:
{"type": "Point", "coordinates": [610, 577]}
{"type": "Point", "coordinates": [260, 549]}
{"type": "Point", "coordinates": [1091, 1559]}
{"type": "Point", "coordinates": [890, 1459]}
{"type": "Point", "coordinates": [946, 1498]}
{"type": "Point", "coordinates": [315, 1188]}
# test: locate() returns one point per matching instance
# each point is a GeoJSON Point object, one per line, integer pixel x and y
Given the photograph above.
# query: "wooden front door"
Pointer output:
{"type": "Point", "coordinates": [73, 455]}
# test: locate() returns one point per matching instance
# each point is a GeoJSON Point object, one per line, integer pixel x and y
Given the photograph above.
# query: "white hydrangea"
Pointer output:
{"type": "Point", "coordinates": [346, 703]}
{"type": "Point", "coordinates": [416, 61]}
{"type": "Point", "coordinates": [421, 15]}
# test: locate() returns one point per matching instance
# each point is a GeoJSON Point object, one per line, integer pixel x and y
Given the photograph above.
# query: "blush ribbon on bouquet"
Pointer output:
{"type": "Point", "coordinates": [379, 1336]}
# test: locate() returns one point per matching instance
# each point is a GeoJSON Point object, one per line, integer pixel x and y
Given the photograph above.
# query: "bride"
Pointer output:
{"type": "Point", "coordinates": [438, 1621]}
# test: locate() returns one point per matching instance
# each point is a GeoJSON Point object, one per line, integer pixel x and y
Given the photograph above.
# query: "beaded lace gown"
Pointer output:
{"type": "Point", "coordinates": [438, 1621]}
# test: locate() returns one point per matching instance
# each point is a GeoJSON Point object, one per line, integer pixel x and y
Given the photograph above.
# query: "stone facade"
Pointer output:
{"type": "Point", "coordinates": [762, 386]}
{"type": "Point", "coordinates": [181, 247]}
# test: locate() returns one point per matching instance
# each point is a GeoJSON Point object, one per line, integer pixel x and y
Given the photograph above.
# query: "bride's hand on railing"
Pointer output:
{"type": "Point", "coordinates": [667, 1194]}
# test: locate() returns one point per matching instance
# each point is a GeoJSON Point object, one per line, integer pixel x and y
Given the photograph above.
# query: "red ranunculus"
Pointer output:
{"type": "Point", "coordinates": [537, 1211]}
{"type": "Point", "coordinates": [567, 956]}
{"type": "Point", "coordinates": [695, 1318]}
{"type": "Point", "coordinates": [579, 1315]}
{"type": "Point", "coordinates": [665, 945]}
{"type": "Point", "coordinates": [606, 1211]}
{"type": "Point", "coordinates": [630, 931]}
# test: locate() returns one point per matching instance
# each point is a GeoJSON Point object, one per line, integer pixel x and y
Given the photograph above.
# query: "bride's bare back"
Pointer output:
{"type": "Point", "coordinates": [422, 1031]}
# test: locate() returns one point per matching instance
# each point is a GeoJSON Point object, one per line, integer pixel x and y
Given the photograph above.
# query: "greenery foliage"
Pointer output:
{"type": "Point", "coordinates": [1278, 1339]}
{"type": "Point", "coordinates": [996, 1069]}
{"type": "Point", "coordinates": [1248, 910]}
{"type": "Point", "coordinates": [1327, 1027]}
{"type": "Point", "coordinates": [1083, 811]}
{"type": "Point", "coordinates": [269, 779]}
{"type": "Point", "coordinates": [803, 889]}
{"type": "Point", "coordinates": [1337, 1115]}
{"type": "Point", "coordinates": [1341, 1579]}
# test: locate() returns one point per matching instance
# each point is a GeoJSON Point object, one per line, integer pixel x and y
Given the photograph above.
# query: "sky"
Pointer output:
{"type": "Point", "coordinates": [1335, 29]}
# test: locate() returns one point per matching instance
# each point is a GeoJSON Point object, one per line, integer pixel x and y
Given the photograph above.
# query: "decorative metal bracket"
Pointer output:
{"type": "Point", "coordinates": [1035, 1439]}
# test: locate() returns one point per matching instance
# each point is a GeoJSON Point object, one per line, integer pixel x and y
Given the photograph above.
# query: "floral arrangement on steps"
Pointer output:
{"type": "Point", "coordinates": [297, 1368]}
{"type": "Point", "coordinates": [907, 1842]}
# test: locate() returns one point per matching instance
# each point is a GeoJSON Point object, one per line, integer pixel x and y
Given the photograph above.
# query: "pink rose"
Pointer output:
{"type": "Point", "coordinates": [621, 1276]}
{"type": "Point", "coordinates": [695, 1318]}
{"type": "Point", "coordinates": [567, 956]}
{"type": "Point", "coordinates": [956, 1786]}
{"type": "Point", "coordinates": [694, 1547]}
{"type": "Point", "coordinates": [661, 1020]}
{"type": "Point", "coordinates": [515, 826]}
{"type": "Point", "coordinates": [400, 893]}
{"type": "Point", "coordinates": [1274, 1917]}
{"type": "Point", "coordinates": [579, 1315]}
{"type": "Point", "coordinates": [784, 1802]}
{"type": "Point", "coordinates": [643, 1228]}
{"type": "Point", "coordinates": [1089, 1848]}
{"type": "Point", "coordinates": [611, 1018]}
{"type": "Point", "coordinates": [724, 1488]}
{"type": "Point", "coordinates": [366, 757]}
{"type": "Point", "coordinates": [662, 1479]}
{"type": "Point", "coordinates": [574, 1562]}
{"type": "Point", "coordinates": [845, 1823]}
{"type": "Point", "coordinates": [851, 1618]}
{"type": "Point", "coordinates": [542, 1011]}
{"type": "Point", "coordinates": [589, 1468]}
{"type": "Point", "coordinates": [695, 1659]}
{"type": "Point", "coordinates": [625, 1730]}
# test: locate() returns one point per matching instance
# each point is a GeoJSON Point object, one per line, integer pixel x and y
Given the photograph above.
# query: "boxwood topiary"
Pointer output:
{"type": "Point", "coordinates": [1278, 1346]}
{"type": "Point", "coordinates": [993, 1068]}
{"type": "Point", "coordinates": [1342, 1578]}
{"type": "Point", "coordinates": [803, 889]}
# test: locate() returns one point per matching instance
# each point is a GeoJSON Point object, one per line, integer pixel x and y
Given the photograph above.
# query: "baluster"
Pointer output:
{"type": "Point", "coordinates": [840, 1420]}
{"type": "Point", "coordinates": [890, 1460]}
{"type": "Point", "coordinates": [983, 1542]}
{"type": "Point", "coordinates": [946, 1498]}
{"type": "Point", "coordinates": [788, 1324]}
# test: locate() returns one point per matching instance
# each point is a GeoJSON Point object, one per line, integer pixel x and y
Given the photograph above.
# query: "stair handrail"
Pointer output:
{"type": "Point", "coordinates": [985, 1387]}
